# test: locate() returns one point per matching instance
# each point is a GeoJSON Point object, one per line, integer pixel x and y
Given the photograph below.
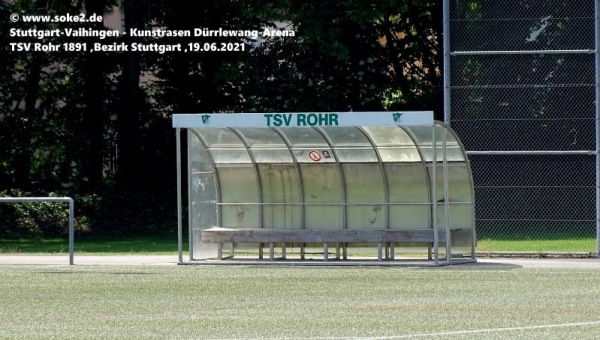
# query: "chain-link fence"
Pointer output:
{"type": "Point", "coordinates": [521, 88]}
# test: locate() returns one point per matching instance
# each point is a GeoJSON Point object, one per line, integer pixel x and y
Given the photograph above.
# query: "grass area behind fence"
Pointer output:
{"type": "Point", "coordinates": [167, 244]}
{"type": "Point", "coordinates": [572, 245]}
{"type": "Point", "coordinates": [145, 244]}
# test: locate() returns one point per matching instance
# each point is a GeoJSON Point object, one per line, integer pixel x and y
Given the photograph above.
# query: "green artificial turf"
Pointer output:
{"type": "Point", "coordinates": [252, 302]}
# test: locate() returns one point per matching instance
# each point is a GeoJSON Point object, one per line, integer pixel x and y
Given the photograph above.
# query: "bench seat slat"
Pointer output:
{"type": "Point", "coordinates": [259, 235]}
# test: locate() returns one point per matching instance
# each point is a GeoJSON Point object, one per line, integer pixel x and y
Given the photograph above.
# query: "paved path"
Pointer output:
{"type": "Point", "coordinates": [571, 263]}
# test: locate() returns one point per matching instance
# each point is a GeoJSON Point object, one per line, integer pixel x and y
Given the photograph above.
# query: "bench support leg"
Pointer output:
{"type": "Point", "coordinates": [271, 251]}
{"type": "Point", "coordinates": [345, 251]}
{"type": "Point", "coordinates": [337, 251]}
{"type": "Point", "coordinates": [392, 251]}
{"type": "Point", "coordinates": [325, 251]}
{"type": "Point", "coordinates": [302, 251]}
{"type": "Point", "coordinates": [220, 251]}
{"type": "Point", "coordinates": [283, 253]}
{"type": "Point", "coordinates": [260, 251]}
{"type": "Point", "coordinates": [379, 251]}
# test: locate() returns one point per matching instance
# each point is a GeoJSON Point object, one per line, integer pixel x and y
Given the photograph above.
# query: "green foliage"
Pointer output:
{"type": "Point", "coordinates": [32, 219]}
{"type": "Point", "coordinates": [96, 126]}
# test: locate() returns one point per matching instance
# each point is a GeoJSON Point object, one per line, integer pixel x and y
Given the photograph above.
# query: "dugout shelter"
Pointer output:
{"type": "Point", "coordinates": [327, 172]}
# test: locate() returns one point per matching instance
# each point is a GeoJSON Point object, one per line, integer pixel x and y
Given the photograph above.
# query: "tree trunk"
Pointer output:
{"type": "Point", "coordinates": [92, 157]}
{"type": "Point", "coordinates": [128, 120]}
{"type": "Point", "coordinates": [24, 150]}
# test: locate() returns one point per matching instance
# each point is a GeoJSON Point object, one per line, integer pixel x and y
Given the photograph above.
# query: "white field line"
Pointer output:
{"type": "Point", "coordinates": [474, 331]}
{"type": "Point", "coordinates": [488, 330]}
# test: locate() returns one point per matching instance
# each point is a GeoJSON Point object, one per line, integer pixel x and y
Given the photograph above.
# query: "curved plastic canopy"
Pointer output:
{"type": "Point", "coordinates": [270, 171]}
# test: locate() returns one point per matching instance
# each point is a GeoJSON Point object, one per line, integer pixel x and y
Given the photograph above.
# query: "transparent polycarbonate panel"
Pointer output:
{"type": "Point", "coordinates": [356, 155]}
{"type": "Point", "coordinates": [423, 135]}
{"type": "Point", "coordinates": [314, 156]}
{"type": "Point", "coordinates": [282, 216]}
{"type": "Point", "coordinates": [240, 215]}
{"type": "Point", "coordinates": [461, 221]}
{"type": "Point", "coordinates": [261, 137]}
{"type": "Point", "coordinates": [402, 154]}
{"type": "Point", "coordinates": [203, 194]}
{"type": "Point", "coordinates": [462, 240]}
{"type": "Point", "coordinates": [280, 183]}
{"type": "Point", "coordinates": [230, 156]}
{"type": "Point", "coordinates": [462, 216]}
{"type": "Point", "coordinates": [204, 200]}
{"type": "Point", "coordinates": [366, 217]}
{"type": "Point", "coordinates": [219, 137]}
{"type": "Point", "coordinates": [272, 156]}
{"type": "Point", "coordinates": [408, 183]}
{"type": "Point", "coordinates": [321, 183]}
{"type": "Point", "coordinates": [304, 136]}
{"type": "Point", "coordinates": [364, 183]}
{"type": "Point", "coordinates": [198, 157]}
{"type": "Point", "coordinates": [410, 216]}
{"type": "Point", "coordinates": [324, 217]}
{"type": "Point", "coordinates": [453, 153]}
{"type": "Point", "coordinates": [238, 185]}
{"type": "Point", "coordinates": [346, 136]}
{"type": "Point", "coordinates": [388, 136]}
{"type": "Point", "coordinates": [459, 182]}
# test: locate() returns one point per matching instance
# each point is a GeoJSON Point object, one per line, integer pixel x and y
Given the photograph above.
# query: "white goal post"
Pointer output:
{"type": "Point", "coordinates": [52, 199]}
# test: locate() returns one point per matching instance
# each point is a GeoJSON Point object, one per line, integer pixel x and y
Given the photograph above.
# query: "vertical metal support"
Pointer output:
{"type": "Point", "coordinates": [179, 208]}
{"type": "Point", "coordinates": [446, 198]}
{"type": "Point", "coordinates": [597, 84]}
{"type": "Point", "coordinates": [446, 60]}
{"type": "Point", "coordinates": [189, 194]}
{"type": "Point", "coordinates": [71, 231]}
{"type": "Point", "coordinates": [434, 196]}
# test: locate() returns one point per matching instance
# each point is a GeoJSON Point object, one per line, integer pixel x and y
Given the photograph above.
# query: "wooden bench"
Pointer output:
{"type": "Point", "coordinates": [261, 236]}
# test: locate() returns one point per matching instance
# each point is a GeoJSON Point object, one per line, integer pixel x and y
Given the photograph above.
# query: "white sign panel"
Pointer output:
{"type": "Point", "coordinates": [302, 119]}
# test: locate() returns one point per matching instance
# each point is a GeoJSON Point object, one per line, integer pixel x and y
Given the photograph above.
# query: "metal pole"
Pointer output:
{"type": "Point", "coordinates": [597, 84]}
{"type": "Point", "coordinates": [71, 231]}
{"type": "Point", "coordinates": [434, 196]}
{"type": "Point", "coordinates": [179, 208]}
{"type": "Point", "coordinates": [521, 52]}
{"type": "Point", "coordinates": [531, 152]}
{"type": "Point", "coordinates": [446, 65]}
{"type": "Point", "coordinates": [53, 199]}
{"type": "Point", "coordinates": [189, 195]}
{"type": "Point", "coordinates": [446, 198]}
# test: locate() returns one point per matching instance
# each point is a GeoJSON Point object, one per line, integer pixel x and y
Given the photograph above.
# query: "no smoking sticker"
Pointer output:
{"type": "Point", "coordinates": [314, 155]}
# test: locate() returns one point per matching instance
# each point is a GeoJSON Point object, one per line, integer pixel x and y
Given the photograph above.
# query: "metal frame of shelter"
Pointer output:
{"type": "Point", "coordinates": [278, 124]}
